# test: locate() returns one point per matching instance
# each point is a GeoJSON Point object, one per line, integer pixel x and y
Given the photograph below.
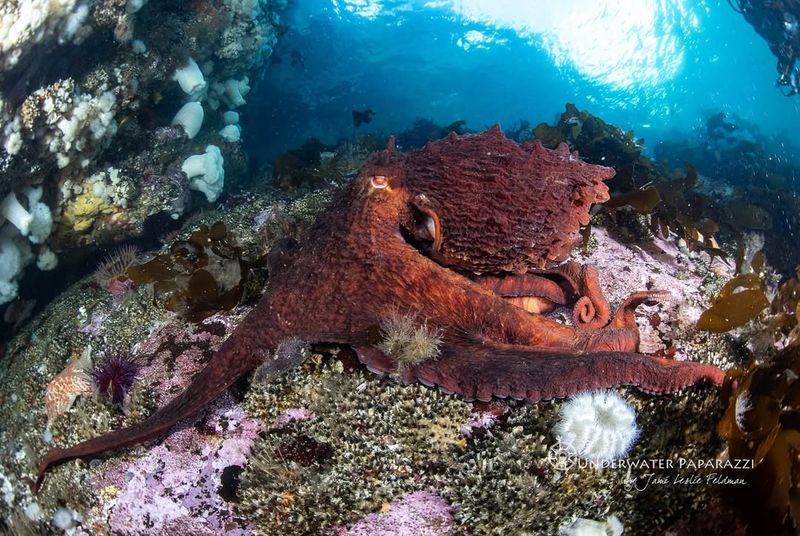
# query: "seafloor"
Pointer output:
{"type": "Point", "coordinates": [327, 444]}
{"type": "Point", "coordinates": [120, 124]}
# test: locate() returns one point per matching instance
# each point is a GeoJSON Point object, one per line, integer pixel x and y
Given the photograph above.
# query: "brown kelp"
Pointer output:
{"type": "Point", "coordinates": [197, 276]}
{"type": "Point", "coordinates": [761, 427]}
{"type": "Point", "coordinates": [744, 298]}
{"type": "Point", "coordinates": [740, 300]}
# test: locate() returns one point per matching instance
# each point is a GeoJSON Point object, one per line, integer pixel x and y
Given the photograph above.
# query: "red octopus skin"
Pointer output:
{"type": "Point", "coordinates": [495, 207]}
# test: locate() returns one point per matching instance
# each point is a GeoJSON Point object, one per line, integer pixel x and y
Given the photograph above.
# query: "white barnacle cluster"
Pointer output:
{"type": "Point", "coordinates": [251, 37]}
{"type": "Point", "coordinates": [598, 426]}
{"type": "Point", "coordinates": [71, 125]}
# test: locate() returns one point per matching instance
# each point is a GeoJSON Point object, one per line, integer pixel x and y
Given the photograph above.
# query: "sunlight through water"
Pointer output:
{"type": "Point", "coordinates": [620, 44]}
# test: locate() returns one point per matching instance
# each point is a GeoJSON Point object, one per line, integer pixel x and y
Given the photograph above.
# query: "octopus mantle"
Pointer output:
{"type": "Point", "coordinates": [462, 235]}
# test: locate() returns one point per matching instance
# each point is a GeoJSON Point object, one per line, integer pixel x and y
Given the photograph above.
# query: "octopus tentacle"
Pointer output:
{"type": "Point", "coordinates": [591, 310]}
{"type": "Point", "coordinates": [531, 292]}
{"type": "Point", "coordinates": [236, 356]}
{"type": "Point", "coordinates": [483, 371]}
{"type": "Point", "coordinates": [624, 317]}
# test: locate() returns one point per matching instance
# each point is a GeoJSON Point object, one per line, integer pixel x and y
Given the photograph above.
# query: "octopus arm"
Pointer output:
{"type": "Point", "coordinates": [482, 371]}
{"type": "Point", "coordinates": [244, 350]}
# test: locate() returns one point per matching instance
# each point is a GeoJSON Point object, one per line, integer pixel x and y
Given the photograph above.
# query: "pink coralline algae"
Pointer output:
{"type": "Point", "coordinates": [420, 513]}
{"type": "Point", "coordinates": [482, 420]}
{"type": "Point", "coordinates": [174, 352]}
{"type": "Point", "coordinates": [95, 325]}
{"type": "Point", "coordinates": [174, 488]}
{"type": "Point", "coordinates": [657, 264]}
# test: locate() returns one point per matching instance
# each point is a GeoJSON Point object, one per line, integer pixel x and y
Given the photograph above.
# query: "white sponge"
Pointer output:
{"type": "Point", "coordinates": [206, 172]}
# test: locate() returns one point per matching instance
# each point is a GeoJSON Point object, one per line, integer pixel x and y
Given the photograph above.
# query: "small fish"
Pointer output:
{"type": "Point", "coordinates": [362, 117]}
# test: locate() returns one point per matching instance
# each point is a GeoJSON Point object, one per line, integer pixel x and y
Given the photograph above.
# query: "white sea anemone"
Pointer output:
{"type": "Point", "coordinates": [598, 426]}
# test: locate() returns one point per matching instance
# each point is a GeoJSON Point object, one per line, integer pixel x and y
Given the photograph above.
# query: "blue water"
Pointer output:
{"type": "Point", "coordinates": [658, 67]}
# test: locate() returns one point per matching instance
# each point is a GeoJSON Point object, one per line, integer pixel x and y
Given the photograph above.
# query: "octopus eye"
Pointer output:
{"type": "Point", "coordinates": [379, 181]}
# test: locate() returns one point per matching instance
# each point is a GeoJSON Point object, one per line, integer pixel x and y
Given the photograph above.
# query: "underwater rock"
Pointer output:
{"type": "Point", "coordinates": [312, 164]}
{"type": "Point", "coordinates": [420, 513]}
{"type": "Point", "coordinates": [777, 23]}
{"type": "Point", "coordinates": [177, 484]}
{"type": "Point", "coordinates": [84, 105]}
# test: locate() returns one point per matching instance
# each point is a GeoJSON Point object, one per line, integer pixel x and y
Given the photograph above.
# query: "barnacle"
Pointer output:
{"type": "Point", "coordinates": [198, 276]}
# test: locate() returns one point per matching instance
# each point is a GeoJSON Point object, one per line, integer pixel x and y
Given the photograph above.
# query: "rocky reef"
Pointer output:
{"type": "Point", "coordinates": [121, 122]}
{"type": "Point", "coordinates": [280, 456]}
{"type": "Point", "coordinates": [777, 23]}
{"type": "Point", "coordinates": [118, 116]}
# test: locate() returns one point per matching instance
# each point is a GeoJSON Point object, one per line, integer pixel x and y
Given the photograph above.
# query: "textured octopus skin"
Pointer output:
{"type": "Point", "coordinates": [357, 265]}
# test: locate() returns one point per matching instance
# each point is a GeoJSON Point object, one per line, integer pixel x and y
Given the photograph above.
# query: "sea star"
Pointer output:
{"type": "Point", "coordinates": [68, 385]}
{"type": "Point", "coordinates": [412, 232]}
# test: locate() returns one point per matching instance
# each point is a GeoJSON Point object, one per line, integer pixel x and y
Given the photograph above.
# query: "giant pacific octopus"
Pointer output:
{"type": "Point", "coordinates": [466, 235]}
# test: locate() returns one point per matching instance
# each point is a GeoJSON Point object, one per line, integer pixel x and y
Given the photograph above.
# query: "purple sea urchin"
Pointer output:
{"type": "Point", "coordinates": [114, 377]}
